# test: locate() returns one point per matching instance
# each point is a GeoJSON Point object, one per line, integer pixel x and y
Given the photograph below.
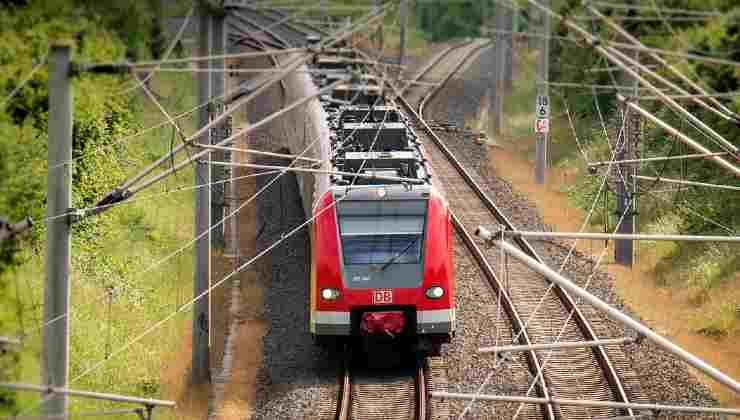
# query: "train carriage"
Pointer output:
{"type": "Point", "coordinates": [381, 263]}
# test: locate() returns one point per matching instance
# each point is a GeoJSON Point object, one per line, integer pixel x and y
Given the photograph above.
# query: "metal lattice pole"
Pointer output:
{"type": "Point", "coordinates": [218, 42]}
{"type": "Point", "coordinates": [624, 249]}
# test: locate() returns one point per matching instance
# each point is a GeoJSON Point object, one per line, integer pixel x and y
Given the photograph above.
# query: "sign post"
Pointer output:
{"type": "Point", "coordinates": [542, 114]}
{"type": "Point", "coordinates": [542, 108]}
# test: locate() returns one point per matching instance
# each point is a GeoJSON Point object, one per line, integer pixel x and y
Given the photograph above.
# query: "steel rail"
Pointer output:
{"type": "Point", "coordinates": [345, 392]}
{"type": "Point", "coordinates": [287, 21]}
{"type": "Point", "coordinates": [433, 62]}
{"type": "Point", "coordinates": [511, 311]}
{"type": "Point", "coordinates": [599, 352]}
{"type": "Point", "coordinates": [449, 77]}
{"type": "Point", "coordinates": [421, 393]}
{"type": "Point", "coordinates": [269, 32]}
{"type": "Point", "coordinates": [276, 46]}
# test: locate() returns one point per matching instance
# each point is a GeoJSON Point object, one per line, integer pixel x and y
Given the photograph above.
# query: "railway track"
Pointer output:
{"type": "Point", "coordinates": [575, 373]}
{"type": "Point", "coordinates": [383, 394]}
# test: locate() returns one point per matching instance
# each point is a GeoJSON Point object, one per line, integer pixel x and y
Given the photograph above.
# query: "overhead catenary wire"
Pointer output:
{"type": "Point", "coordinates": [584, 225]}
{"type": "Point", "coordinates": [686, 207]}
{"type": "Point", "coordinates": [220, 282]}
{"type": "Point", "coordinates": [570, 314]}
{"type": "Point", "coordinates": [146, 183]}
{"type": "Point", "coordinates": [593, 86]}
{"type": "Point", "coordinates": [682, 137]}
{"type": "Point", "coordinates": [173, 44]}
{"type": "Point", "coordinates": [695, 95]}
{"type": "Point", "coordinates": [121, 140]}
{"type": "Point", "coordinates": [620, 59]}
{"type": "Point", "coordinates": [25, 80]}
{"type": "Point", "coordinates": [660, 60]}
{"type": "Point", "coordinates": [690, 183]}
{"type": "Point", "coordinates": [722, 112]}
{"type": "Point", "coordinates": [276, 177]}
{"type": "Point", "coordinates": [182, 248]}
{"type": "Point", "coordinates": [161, 261]}
{"type": "Point", "coordinates": [584, 33]}
{"type": "Point", "coordinates": [125, 187]}
{"type": "Point", "coordinates": [660, 158]}
{"type": "Point", "coordinates": [704, 57]}
{"type": "Point", "coordinates": [629, 6]}
{"type": "Point", "coordinates": [182, 308]}
{"type": "Point", "coordinates": [193, 59]}
{"type": "Point", "coordinates": [650, 18]}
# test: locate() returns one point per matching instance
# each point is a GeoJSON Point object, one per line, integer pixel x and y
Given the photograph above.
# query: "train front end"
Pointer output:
{"type": "Point", "coordinates": [382, 267]}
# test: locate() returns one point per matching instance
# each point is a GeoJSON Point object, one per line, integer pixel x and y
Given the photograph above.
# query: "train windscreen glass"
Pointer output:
{"type": "Point", "coordinates": [382, 243]}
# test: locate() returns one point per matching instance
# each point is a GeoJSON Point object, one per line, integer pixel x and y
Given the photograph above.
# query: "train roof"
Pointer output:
{"type": "Point", "coordinates": [378, 144]}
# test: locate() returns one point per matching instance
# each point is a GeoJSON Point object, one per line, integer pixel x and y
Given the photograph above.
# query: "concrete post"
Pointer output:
{"type": "Point", "coordinates": [55, 354]}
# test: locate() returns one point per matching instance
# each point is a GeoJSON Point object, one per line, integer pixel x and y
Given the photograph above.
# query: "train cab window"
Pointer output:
{"type": "Point", "coordinates": [382, 243]}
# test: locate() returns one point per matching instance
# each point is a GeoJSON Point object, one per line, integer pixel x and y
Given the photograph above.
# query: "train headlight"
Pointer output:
{"type": "Point", "coordinates": [329, 294]}
{"type": "Point", "coordinates": [435, 292]}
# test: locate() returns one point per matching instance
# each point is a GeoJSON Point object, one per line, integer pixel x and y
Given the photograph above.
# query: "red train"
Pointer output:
{"type": "Point", "coordinates": [382, 244]}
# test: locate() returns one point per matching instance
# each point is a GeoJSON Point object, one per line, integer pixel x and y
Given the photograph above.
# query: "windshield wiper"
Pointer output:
{"type": "Point", "coordinates": [395, 257]}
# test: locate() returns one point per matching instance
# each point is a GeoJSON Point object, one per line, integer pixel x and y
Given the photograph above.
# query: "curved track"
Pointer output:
{"type": "Point", "coordinates": [576, 373]}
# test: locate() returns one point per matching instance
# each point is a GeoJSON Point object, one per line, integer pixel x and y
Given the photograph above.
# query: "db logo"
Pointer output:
{"type": "Point", "coordinates": [382, 296]}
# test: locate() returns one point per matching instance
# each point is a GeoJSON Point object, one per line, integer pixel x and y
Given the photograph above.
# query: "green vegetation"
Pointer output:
{"type": "Point", "coordinates": [114, 296]}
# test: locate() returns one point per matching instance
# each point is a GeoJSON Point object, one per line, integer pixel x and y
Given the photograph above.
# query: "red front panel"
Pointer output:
{"type": "Point", "coordinates": [438, 268]}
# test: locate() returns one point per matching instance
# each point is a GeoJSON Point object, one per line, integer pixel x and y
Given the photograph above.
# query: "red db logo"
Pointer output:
{"type": "Point", "coordinates": [382, 297]}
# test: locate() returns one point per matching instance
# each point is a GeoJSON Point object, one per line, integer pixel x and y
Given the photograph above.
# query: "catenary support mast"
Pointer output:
{"type": "Point", "coordinates": [55, 353]}
{"type": "Point", "coordinates": [200, 357]}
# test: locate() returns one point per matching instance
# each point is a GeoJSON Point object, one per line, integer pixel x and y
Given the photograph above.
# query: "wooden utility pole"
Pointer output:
{"type": "Point", "coordinates": [200, 358]}
{"type": "Point", "coordinates": [55, 353]}
{"type": "Point", "coordinates": [542, 105]}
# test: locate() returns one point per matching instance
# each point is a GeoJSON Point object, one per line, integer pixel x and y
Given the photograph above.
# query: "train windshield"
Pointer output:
{"type": "Point", "coordinates": [382, 242]}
